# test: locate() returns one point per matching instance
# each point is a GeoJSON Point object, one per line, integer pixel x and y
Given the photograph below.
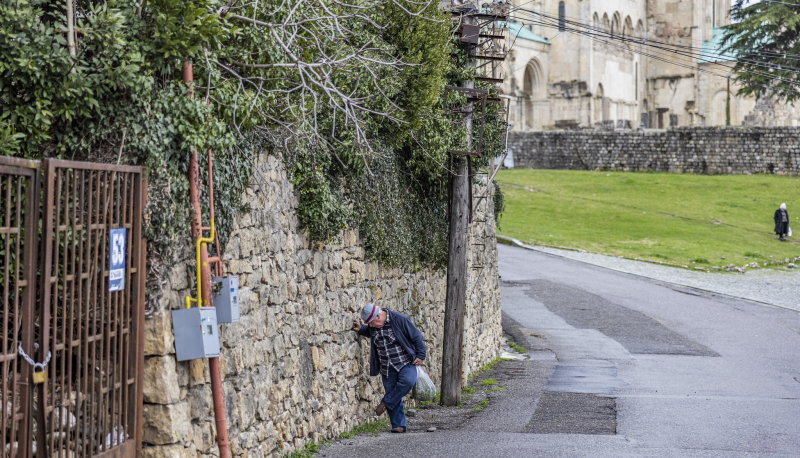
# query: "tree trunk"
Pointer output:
{"type": "Point", "coordinates": [71, 44]}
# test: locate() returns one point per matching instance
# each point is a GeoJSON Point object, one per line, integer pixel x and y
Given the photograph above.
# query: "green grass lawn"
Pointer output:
{"type": "Point", "coordinates": [670, 218]}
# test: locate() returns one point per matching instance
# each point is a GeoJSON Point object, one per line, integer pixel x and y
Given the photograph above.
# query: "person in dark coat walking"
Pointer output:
{"type": "Point", "coordinates": [397, 348]}
{"type": "Point", "coordinates": [781, 222]}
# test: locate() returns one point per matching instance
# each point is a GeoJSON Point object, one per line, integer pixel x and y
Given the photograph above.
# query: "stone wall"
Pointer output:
{"type": "Point", "coordinates": [769, 113]}
{"type": "Point", "coordinates": [713, 150]}
{"type": "Point", "coordinates": [292, 370]}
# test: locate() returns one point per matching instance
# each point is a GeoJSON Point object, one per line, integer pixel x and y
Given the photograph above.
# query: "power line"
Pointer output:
{"type": "Point", "coordinates": [679, 50]}
{"type": "Point", "coordinates": [670, 52]}
{"type": "Point", "coordinates": [645, 41]}
{"type": "Point", "coordinates": [599, 38]}
{"type": "Point", "coordinates": [634, 38]}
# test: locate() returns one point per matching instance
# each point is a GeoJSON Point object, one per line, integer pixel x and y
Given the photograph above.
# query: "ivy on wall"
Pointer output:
{"type": "Point", "coordinates": [124, 82]}
{"type": "Point", "coordinates": [400, 204]}
{"type": "Point", "coordinates": [399, 199]}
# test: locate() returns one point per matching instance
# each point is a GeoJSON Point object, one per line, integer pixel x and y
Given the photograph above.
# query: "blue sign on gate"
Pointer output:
{"type": "Point", "coordinates": [116, 274]}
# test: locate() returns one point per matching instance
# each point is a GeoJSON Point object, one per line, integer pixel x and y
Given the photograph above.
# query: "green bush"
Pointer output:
{"type": "Point", "coordinates": [388, 178]}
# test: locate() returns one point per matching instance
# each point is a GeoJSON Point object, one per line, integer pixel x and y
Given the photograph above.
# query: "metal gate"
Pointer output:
{"type": "Point", "coordinates": [57, 307]}
{"type": "Point", "coordinates": [18, 220]}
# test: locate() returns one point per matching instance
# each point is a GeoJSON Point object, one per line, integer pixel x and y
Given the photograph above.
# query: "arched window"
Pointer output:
{"type": "Point", "coordinates": [534, 114]}
{"type": "Point", "coordinates": [562, 17]}
{"type": "Point", "coordinates": [628, 30]}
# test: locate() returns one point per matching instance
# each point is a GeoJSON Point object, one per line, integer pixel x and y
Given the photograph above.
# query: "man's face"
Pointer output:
{"type": "Point", "coordinates": [379, 320]}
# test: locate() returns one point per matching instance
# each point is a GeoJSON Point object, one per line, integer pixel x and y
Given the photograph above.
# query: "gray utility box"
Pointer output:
{"type": "Point", "coordinates": [226, 299]}
{"type": "Point", "coordinates": [196, 333]}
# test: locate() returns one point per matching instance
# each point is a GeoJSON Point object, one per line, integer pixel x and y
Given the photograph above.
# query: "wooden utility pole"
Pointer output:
{"type": "Point", "coordinates": [456, 302]}
{"type": "Point", "coordinates": [471, 31]}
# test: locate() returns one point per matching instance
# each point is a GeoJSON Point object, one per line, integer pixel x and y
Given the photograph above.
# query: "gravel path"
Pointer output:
{"type": "Point", "coordinates": [776, 287]}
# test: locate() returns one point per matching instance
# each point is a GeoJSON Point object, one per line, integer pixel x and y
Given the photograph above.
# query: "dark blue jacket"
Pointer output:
{"type": "Point", "coordinates": [407, 335]}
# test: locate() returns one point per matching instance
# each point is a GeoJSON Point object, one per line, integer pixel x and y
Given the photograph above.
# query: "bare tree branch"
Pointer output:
{"type": "Point", "coordinates": [318, 45]}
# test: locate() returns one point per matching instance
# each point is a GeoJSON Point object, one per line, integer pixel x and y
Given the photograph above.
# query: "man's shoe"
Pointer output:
{"type": "Point", "coordinates": [399, 429]}
{"type": "Point", "coordinates": [782, 239]}
{"type": "Point", "coordinates": [380, 409]}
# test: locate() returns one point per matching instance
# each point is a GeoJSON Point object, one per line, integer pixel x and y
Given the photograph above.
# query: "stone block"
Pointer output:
{"type": "Point", "coordinates": [158, 337]}
{"type": "Point", "coordinates": [246, 405]}
{"type": "Point", "coordinates": [309, 270]}
{"type": "Point", "coordinates": [318, 358]}
{"type": "Point", "coordinates": [231, 412]}
{"type": "Point", "coordinates": [200, 401]}
{"type": "Point", "coordinates": [168, 451]}
{"type": "Point", "coordinates": [332, 281]}
{"type": "Point", "coordinates": [165, 424]}
{"type": "Point", "coordinates": [197, 372]}
{"type": "Point", "coordinates": [161, 380]}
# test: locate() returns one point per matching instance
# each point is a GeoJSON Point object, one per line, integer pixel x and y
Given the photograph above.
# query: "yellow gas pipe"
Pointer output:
{"type": "Point", "coordinates": [199, 300]}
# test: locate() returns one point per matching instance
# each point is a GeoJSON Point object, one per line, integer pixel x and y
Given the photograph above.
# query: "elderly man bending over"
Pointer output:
{"type": "Point", "coordinates": [397, 346]}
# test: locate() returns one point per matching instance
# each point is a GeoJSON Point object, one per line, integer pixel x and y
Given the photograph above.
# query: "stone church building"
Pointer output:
{"type": "Point", "coordinates": [564, 80]}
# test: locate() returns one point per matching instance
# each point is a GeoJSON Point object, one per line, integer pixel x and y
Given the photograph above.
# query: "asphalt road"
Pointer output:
{"type": "Point", "coordinates": [626, 366]}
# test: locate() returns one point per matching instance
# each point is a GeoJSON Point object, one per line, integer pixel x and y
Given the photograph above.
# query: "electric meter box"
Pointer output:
{"type": "Point", "coordinates": [196, 333]}
{"type": "Point", "coordinates": [226, 299]}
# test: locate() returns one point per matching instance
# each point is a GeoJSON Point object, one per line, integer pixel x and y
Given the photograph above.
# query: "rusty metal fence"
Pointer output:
{"type": "Point", "coordinates": [58, 306]}
{"type": "Point", "coordinates": [18, 220]}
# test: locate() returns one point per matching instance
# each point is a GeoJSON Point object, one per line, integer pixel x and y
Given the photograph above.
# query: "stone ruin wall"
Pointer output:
{"type": "Point", "coordinates": [769, 113]}
{"type": "Point", "coordinates": [292, 369]}
{"type": "Point", "coordinates": [707, 150]}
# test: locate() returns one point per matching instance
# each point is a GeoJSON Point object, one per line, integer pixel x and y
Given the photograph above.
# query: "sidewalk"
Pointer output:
{"type": "Point", "coordinates": [769, 286]}
{"type": "Point", "coordinates": [497, 403]}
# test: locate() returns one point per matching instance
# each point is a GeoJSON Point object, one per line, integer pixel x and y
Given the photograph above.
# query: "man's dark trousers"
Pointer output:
{"type": "Point", "coordinates": [397, 385]}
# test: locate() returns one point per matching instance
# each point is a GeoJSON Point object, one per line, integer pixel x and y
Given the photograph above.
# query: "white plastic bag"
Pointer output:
{"type": "Point", "coordinates": [789, 232]}
{"type": "Point", "coordinates": [424, 389]}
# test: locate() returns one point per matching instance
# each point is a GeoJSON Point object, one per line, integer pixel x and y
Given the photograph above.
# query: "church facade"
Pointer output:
{"type": "Point", "coordinates": [559, 79]}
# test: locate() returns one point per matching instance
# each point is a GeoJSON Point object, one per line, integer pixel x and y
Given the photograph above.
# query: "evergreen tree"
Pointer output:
{"type": "Point", "coordinates": [765, 38]}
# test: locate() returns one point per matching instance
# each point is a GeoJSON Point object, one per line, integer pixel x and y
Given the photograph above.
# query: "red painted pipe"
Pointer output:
{"type": "Point", "coordinates": [218, 263]}
{"type": "Point", "coordinates": [194, 197]}
{"type": "Point", "coordinates": [219, 408]}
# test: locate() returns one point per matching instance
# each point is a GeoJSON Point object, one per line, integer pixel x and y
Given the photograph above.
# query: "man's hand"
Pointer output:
{"type": "Point", "coordinates": [356, 326]}
{"type": "Point", "coordinates": [417, 362]}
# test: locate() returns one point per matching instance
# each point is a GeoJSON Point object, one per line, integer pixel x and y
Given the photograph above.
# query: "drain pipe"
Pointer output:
{"type": "Point", "coordinates": [205, 281]}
